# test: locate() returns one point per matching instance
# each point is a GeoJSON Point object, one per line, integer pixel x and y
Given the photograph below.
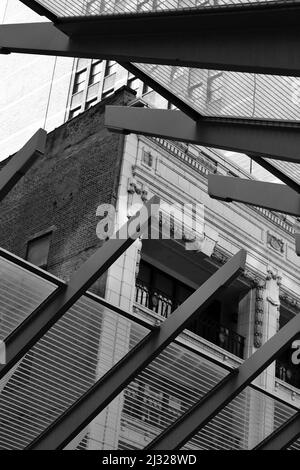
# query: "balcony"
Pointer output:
{"type": "Point", "coordinates": [216, 333]}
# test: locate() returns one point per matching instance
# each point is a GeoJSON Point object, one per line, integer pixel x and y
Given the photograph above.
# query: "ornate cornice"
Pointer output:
{"type": "Point", "coordinates": [290, 300]}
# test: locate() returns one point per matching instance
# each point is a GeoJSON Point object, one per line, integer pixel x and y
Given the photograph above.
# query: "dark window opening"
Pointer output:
{"type": "Point", "coordinates": [162, 294]}
{"type": "Point", "coordinates": [79, 82]}
{"type": "Point", "coordinates": [38, 251]}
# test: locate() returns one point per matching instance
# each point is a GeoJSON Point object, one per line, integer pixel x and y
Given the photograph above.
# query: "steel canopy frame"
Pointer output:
{"type": "Point", "coordinates": [20, 163]}
{"type": "Point", "coordinates": [276, 140]}
{"type": "Point", "coordinates": [273, 196]}
{"type": "Point", "coordinates": [39, 9]}
{"type": "Point", "coordinates": [208, 407]}
{"type": "Point", "coordinates": [282, 437]}
{"type": "Point", "coordinates": [65, 428]}
{"type": "Point", "coordinates": [62, 299]}
{"type": "Point", "coordinates": [270, 50]}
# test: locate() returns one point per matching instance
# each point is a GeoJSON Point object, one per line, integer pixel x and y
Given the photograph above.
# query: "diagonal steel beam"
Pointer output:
{"type": "Point", "coordinates": [65, 428]}
{"type": "Point", "coordinates": [207, 408]}
{"type": "Point", "coordinates": [283, 436]}
{"type": "Point", "coordinates": [279, 141]}
{"type": "Point", "coordinates": [163, 91]}
{"type": "Point", "coordinates": [273, 196]}
{"type": "Point", "coordinates": [264, 49]}
{"type": "Point", "coordinates": [38, 8]}
{"type": "Point", "coordinates": [297, 239]}
{"type": "Point", "coordinates": [41, 320]}
{"type": "Point", "coordinates": [271, 168]}
{"type": "Point", "coordinates": [20, 163]}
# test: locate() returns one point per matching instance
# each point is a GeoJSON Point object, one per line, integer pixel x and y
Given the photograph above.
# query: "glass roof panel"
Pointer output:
{"type": "Point", "coordinates": [230, 94]}
{"type": "Point", "coordinates": [68, 8]}
{"type": "Point", "coordinates": [234, 95]}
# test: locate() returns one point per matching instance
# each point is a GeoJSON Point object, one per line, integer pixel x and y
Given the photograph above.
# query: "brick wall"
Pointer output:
{"type": "Point", "coordinates": [62, 191]}
{"type": "Point", "coordinates": [79, 171]}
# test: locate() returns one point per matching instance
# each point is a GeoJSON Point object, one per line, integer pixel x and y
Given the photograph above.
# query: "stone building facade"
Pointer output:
{"type": "Point", "coordinates": [85, 166]}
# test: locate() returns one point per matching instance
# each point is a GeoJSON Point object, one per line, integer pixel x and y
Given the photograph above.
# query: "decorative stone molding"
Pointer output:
{"type": "Point", "coordinates": [253, 278]}
{"type": "Point", "coordinates": [275, 243]}
{"type": "Point", "coordinates": [273, 275]}
{"type": "Point", "coordinates": [259, 314]}
{"type": "Point", "coordinates": [219, 256]}
{"type": "Point", "coordinates": [290, 300]}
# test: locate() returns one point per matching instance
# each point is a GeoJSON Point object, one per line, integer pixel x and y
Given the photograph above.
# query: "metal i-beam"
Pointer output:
{"type": "Point", "coordinates": [257, 48]}
{"type": "Point", "coordinates": [41, 320]}
{"type": "Point", "coordinates": [20, 163]}
{"type": "Point", "coordinates": [297, 239]}
{"type": "Point", "coordinates": [208, 407]}
{"type": "Point", "coordinates": [39, 9]}
{"type": "Point", "coordinates": [272, 196]}
{"type": "Point", "coordinates": [65, 428]}
{"type": "Point", "coordinates": [282, 437]}
{"type": "Point", "coordinates": [279, 141]}
{"type": "Point", "coordinates": [271, 168]}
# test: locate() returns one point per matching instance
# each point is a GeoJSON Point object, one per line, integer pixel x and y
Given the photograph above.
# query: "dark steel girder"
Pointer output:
{"type": "Point", "coordinates": [272, 196]}
{"type": "Point", "coordinates": [266, 49]}
{"type": "Point", "coordinates": [282, 437]}
{"type": "Point", "coordinates": [20, 163]}
{"type": "Point", "coordinates": [297, 239]}
{"type": "Point", "coordinates": [224, 17]}
{"type": "Point", "coordinates": [276, 140]}
{"type": "Point", "coordinates": [39, 9]}
{"type": "Point", "coordinates": [208, 407]}
{"type": "Point", "coordinates": [58, 303]}
{"type": "Point", "coordinates": [74, 420]}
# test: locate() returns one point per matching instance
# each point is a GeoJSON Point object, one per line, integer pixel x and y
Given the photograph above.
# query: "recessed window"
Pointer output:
{"type": "Point", "coordinates": [111, 67]}
{"type": "Point", "coordinates": [95, 74]}
{"type": "Point", "coordinates": [79, 81]}
{"type": "Point", "coordinates": [38, 251]}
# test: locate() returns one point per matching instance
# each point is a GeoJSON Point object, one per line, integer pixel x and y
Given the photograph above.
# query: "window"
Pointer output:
{"type": "Point", "coordinates": [162, 294]}
{"type": "Point", "coordinates": [74, 112]}
{"type": "Point", "coordinates": [95, 74]}
{"type": "Point", "coordinates": [79, 81]}
{"type": "Point", "coordinates": [146, 89]}
{"type": "Point", "coordinates": [91, 103]}
{"type": "Point", "coordinates": [110, 78]}
{"type": "Point", "coordinates": [111, 67]}
{"type": "Point", "coordinates": [38, 251]}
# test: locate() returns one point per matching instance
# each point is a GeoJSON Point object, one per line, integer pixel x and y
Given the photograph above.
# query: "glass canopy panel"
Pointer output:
{"type": "Point", "coordinates": [161, 393]}
{"type": "Point", "coordinates": [244, 423]}
{"type": "Point", "coordinates": [292, 170]}
{"type": "Point", "coordinates": [295, 445]}
{"type": "Point", "coordinates": [69, 8]}
{"type": "Point", "coordinates": [78, 350]}
{"type": "Point", "coordinates": [21, 292]}
{"type": "Point", "coordinates": [230, 94]}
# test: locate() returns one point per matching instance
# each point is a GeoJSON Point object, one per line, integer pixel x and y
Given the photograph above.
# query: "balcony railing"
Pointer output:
{"type": "Point", "coordinates": [287, 374]}
{"type": "Point", "coordinates": [164, 305]}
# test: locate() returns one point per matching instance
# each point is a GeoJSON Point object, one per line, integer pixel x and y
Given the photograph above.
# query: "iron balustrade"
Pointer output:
{"type": "Point", "coordinates": [159, 302]}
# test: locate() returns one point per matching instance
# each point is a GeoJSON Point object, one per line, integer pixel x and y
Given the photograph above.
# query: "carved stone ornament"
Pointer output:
{"type": "Point", "coordinates": [275, 243]}
{"type": "Point", "coordinates": [259, 314]}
